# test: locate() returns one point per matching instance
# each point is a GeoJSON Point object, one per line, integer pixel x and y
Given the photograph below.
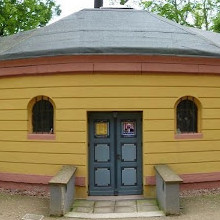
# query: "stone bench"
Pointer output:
{"type": "Point", "coordinates": [167, 189]}
{"type": "Point", "coordinates": [62, 190]}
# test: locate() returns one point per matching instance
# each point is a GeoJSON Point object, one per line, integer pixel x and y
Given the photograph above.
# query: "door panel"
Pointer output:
{"type": "Point", "coordinates": [129, 149]}
{"type": "Point", "coordinates": [129, 176]}
{"type": "Point", "coordinates": [101, 154]}
{"type": "Point", "coordinates": [129, 153]}
{"type": "Point", "coordinates": [115, 153]}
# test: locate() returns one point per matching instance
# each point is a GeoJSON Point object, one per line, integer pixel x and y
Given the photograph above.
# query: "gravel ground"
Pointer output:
{"type": "Point", "coordinates": [196, 205]}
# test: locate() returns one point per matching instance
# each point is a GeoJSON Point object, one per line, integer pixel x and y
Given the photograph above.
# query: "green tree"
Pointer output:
{"type": "Point", "coordinates": [204, 14]}
{"type": "Point", "coordinates": [22, 15]}
{"type": "Point", "coordinates": [175, 10]}
{"type": "Point", "coordinates": [216, 23]}
{"type": "Point", "coordinates": [195, 13]}
{"type": "Point", "coordinates": [121, 2]}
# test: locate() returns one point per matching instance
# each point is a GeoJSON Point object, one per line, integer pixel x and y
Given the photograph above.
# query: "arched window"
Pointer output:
{"type": "Point", "coordinates": [43, 116]}
{"type": "Point", "coordinates": [187, 116]}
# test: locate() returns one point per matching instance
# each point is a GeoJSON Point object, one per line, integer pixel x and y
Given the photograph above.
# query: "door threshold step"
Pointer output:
{"type": "Point", "coordinates": [115, 198]}
{"type": "Point", "coordinates": [114, 215]}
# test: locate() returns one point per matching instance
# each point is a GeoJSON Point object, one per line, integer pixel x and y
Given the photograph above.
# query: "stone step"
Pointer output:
{"type": "Point", "coordinates": [115, 209]}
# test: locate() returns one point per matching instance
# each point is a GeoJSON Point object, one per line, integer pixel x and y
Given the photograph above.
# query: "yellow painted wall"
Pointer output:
{"type": "Point", "coordinates": [75, 95]}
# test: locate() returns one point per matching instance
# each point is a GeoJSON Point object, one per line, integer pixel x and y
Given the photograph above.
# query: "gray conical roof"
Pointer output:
{"type": "Point", "coordinates": [111, 31]}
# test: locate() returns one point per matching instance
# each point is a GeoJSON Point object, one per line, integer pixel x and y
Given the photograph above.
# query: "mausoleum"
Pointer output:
{"type": "Point", "coordinates": [113, 92]}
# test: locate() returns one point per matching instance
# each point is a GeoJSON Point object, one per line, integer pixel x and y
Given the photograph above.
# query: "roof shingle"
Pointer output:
{"type": "Point", "coordinates": [111, 31]}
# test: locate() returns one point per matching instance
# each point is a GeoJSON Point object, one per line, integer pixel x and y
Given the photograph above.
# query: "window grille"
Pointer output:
{"type": "Point", "coordinates": [187, 116]}
{"type": "Point", "coordinates": [42, 116]}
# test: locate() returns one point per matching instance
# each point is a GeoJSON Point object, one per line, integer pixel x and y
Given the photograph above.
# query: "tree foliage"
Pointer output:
{"type": "Point", "coordinates": [121, 2]}
{"type": "Point", "coordinates": [22, 15]}
{"type": "Point", "coordinates": [204, 14]}
{"type": "Point", "coordinates": [216, 23]}
{"type": "Point", "coordinates": [195, 13]}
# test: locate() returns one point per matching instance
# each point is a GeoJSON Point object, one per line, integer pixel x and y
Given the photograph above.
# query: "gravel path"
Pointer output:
{"type": "Point", "coordinates": [197, 205]}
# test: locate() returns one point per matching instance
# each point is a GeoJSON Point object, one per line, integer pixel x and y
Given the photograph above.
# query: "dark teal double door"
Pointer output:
{"type": "Point", "coordinates": [115, 153]}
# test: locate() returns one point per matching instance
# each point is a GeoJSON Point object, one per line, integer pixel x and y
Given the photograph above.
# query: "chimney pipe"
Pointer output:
{"type": "Point", "coordinates": [98, 3]}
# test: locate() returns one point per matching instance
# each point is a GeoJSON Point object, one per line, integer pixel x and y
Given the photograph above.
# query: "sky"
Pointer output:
{"type": "Point", "coordinates": [70, 6]}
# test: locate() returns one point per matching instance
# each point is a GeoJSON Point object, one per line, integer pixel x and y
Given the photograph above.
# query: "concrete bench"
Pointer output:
{"type": "Point", "coordinates": [167, 190]}
{"type": "Point", "coordinates": [62, 190]}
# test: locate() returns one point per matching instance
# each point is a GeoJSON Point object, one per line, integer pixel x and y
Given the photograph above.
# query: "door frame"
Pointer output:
{"type": "Point", "coordinates": [139, 157]}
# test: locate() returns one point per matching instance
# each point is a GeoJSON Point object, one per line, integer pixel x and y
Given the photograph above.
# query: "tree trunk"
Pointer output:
{"type": "Point", "coordinates": [176, 11]}
{"type": "Point", "coordinates": [205, 15]}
